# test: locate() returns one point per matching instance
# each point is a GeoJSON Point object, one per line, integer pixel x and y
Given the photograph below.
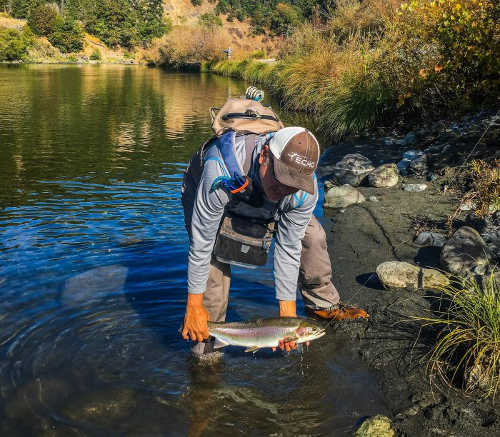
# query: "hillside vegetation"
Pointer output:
{"type": "Point", "coordinates": [376, 59]}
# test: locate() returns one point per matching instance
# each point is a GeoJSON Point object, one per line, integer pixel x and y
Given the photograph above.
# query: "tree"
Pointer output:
{"type": "Point", "coordinates": [14, 43]}
{"type": "Point", "coordinates": [42, 19]}
{"type": "Point", "coordinates": [67, 35]}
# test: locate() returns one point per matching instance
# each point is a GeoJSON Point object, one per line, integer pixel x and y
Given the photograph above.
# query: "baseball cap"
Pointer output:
{"type": "Point", "coordinates": [296, 153]}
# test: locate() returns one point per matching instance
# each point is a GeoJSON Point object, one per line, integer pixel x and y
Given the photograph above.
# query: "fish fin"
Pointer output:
{"type": "Point", "coordinates": [219, 343]}
{"type": "Point", "coordinates": [252, 349]}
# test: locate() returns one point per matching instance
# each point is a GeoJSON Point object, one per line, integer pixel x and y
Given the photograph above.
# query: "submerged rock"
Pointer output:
{"type": "Point", "coordinates": [103, 407]}
{"type": "Point", "coordinates": [352, 169]}
{"type": "Point", "coordinates": [93, 284]}
{"type": "Point", "coordinates": [342, 197]}
{"type": "Point", "coordinates": [385, 176]}
{"type": "Point", "coordinates": [398, 275]}
{"type": "Point", "coordinates": [465, 252]}
{"type": "Point", "coordinates": [376, 426]}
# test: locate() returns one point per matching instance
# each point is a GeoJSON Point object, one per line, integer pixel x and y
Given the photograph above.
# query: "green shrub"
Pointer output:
{"type": "Point", "coordinates": [95, 55]}
{"type": "Point", "coordinates": [453, 46]}
{"type": "Point", "coordinates": [284, 19]}
{"type": "Point", "coordinates": [42, 19]}
{"type": "Point", "coordinates": [67, 35]}
{"type": "Point", "coordinates": [14, 44]}
{"type": "Point", "coordinates": [209, 20]}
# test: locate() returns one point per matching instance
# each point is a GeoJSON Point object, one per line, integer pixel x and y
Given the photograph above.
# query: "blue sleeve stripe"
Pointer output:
{"type": "Point", "coordinates": [301, 200]}
{"type": "Point", "coordinates": [214, 158]}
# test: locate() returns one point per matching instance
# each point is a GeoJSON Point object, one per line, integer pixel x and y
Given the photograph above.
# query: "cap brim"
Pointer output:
{"type": "Point", "coordinates": [292, 178]}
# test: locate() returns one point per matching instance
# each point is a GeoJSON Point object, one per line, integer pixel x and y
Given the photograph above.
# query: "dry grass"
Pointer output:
{"type": "Point", "coordinates": [8, 22]}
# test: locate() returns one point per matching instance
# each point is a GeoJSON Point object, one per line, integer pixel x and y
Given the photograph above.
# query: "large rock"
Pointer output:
{"type": "Point", "coordinates": [342, 197]}
{"type": "Point", "coordinates": [376, 426]}
{"type": "Point", "coordinates": [427, 238]}
{"type": "Point", "coordinates": [465, 252]}
{"type": "Point", "coordinates": [418, 166]}
{"type": "Point", "coordinates": [489, 229]}
{"type": "Point", "coordinates": [387, 175]}
{"type": "Point", "coordinates": [398, 275]}
{"type": "Point", "coordinates": [352, 169]}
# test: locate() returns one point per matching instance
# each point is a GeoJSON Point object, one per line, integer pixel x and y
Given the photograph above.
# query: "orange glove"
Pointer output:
{"type": "Point", "coordinates": [196, 318]}
{"type": "Point", "coordinates": [288, 308]}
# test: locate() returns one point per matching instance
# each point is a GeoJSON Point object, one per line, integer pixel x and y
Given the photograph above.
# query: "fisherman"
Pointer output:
{"type": "Point", "coordinates": [254, 182]}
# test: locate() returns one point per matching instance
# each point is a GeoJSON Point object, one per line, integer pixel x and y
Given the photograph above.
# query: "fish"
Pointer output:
{"type": "Point", "coordinates": [262, 333]}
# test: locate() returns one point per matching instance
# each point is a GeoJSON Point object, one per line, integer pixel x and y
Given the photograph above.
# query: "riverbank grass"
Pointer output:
{"type": "Point", "coordinates": [467, 348]}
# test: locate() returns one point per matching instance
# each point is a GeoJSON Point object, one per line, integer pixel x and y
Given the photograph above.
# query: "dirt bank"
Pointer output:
{"type": "Point", "coordinates": [360, 238]}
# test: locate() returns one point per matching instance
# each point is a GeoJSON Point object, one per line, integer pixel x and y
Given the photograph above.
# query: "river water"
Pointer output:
{"type": "Point", "coordinates": [92, 272]}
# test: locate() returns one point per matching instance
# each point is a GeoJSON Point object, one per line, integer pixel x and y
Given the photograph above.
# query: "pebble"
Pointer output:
{"type": "Point", "coordinates": [414, 187]}
{"type": "Point", "coordinates": [373, 199]}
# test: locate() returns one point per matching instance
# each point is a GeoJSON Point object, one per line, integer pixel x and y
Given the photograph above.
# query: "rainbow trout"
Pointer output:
{"type": "Point", "coordinates": [261, 333]}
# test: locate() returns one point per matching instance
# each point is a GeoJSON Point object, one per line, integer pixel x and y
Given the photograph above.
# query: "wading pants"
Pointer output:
{"type": "Point", "coordinates": [315, 277]}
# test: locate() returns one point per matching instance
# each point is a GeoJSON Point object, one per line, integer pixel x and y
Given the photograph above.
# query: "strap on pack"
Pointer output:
{"type": "Point", "coordinates": [236, 180]}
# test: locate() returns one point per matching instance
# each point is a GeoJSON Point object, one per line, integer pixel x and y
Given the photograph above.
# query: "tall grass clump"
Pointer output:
{"type": "Point", "coordinates": [467, 348]}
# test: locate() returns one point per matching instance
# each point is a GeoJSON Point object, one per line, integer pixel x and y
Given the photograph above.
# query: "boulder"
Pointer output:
{"type": "Point", "coordinates": [387, 175]}
{"type": "Point", "coordinates": [465, 252]}
{"type": "Point", "coordinates": [489, 229]}
{"type": "Point", "coordinates": [376, 426]}
{"type": "Point", "coordinates": [403, 166]}
{"type": "Point", "coordinates": [342, 197]}
{"type": "Point", "coordinates": [398, 275]}
{"type": "Point", "coordinates": [413, 162]}
{"type": "Point", "coordinates": [427, 238]}
{"type": "Point", "coordinates": [352, 169]}
{"type": "Point", "coordinates": [418, 166]}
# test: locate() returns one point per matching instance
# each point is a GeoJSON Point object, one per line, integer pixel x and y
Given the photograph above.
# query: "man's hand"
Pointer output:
{"type": "Point", "coordinates": [288, 308]}
{"type": "Point", "coordinates": [196, 318]}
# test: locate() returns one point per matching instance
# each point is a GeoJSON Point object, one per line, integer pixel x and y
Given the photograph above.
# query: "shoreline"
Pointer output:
{"type": "Point", "coordinates": [362, 236]}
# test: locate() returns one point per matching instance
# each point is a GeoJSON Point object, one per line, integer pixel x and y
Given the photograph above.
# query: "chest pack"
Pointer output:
{"type": "Point", "coordinates": [241, 240]}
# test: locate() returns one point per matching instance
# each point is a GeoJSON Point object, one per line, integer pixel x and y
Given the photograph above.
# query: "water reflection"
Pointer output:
{"type": "Point", "coordinates": [92, 272]}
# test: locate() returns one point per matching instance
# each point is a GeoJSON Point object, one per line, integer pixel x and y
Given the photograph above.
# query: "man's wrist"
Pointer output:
{"type": "Point", "coordinates": [195, 299]}
{"type": "Point", "coordinates": [288, 308]}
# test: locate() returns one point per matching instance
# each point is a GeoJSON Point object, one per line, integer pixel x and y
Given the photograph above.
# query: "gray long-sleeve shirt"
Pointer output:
{"type": "Point", "coordinates": [292, 214]}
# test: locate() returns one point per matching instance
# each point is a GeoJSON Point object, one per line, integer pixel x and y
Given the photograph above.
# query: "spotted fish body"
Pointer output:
{"type": "Point", "coordinates": [265, 332]}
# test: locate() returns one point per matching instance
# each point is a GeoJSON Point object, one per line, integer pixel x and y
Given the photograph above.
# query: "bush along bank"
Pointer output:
{"type": "Point", "coordinates": [424, 59]}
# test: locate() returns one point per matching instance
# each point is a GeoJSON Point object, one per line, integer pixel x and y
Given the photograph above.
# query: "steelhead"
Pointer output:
{"type": "Point", "coordinates": [261, 333]}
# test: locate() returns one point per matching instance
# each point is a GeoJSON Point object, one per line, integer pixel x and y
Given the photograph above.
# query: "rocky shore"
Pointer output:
{"type": "Point", "coordinates": [387, 202]}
